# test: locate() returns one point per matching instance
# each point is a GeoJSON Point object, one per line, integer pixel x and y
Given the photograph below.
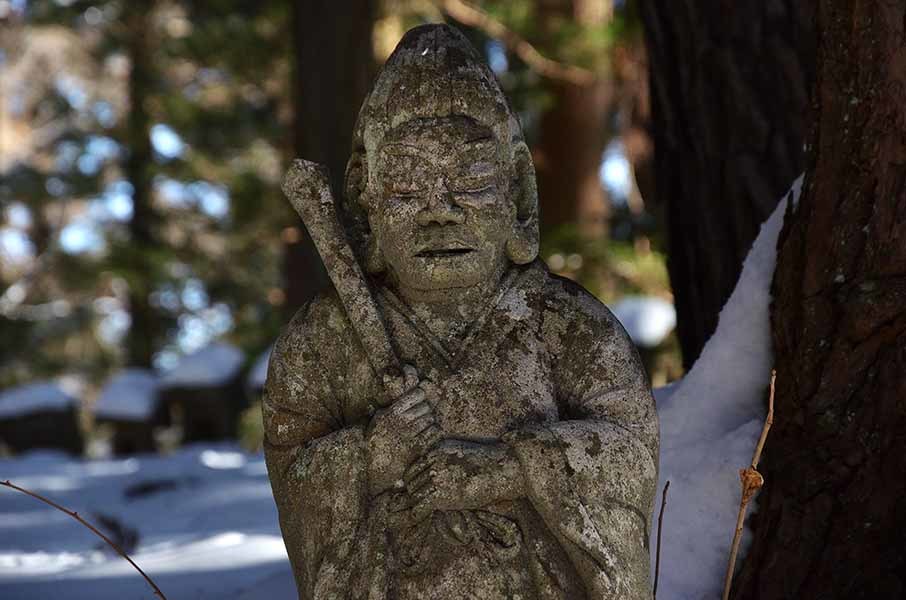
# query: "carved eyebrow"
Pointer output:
{"type": "Point", "coordinates": [401, 148]}
{"type": "Point", "coordinates": [482, 140]}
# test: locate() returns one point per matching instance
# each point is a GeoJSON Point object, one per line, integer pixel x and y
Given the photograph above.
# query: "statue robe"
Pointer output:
{"type": "Point", "coordinates": [546, 369]}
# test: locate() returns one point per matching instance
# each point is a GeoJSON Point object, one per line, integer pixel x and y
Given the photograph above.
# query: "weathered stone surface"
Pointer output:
{"type": "Point", "coordinates": [519, 458]}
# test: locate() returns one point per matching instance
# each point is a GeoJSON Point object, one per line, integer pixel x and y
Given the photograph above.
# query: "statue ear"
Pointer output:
{"type": "Point", "coordinates": [374, 258]}
{"type": "Point", "coordinates": [522, 247]}
{"type": "Point", "coordinates": [358, 201]}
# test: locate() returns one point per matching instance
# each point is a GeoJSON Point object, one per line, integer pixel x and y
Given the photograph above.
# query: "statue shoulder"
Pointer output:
{"type": "Point", "coordinates": [574, 311]}
{"type": "Point", "coordinates": [317, 330]}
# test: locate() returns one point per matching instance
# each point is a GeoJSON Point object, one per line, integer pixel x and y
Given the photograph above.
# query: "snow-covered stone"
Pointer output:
{"type": "Point", "coordinates": [647, 319]}
{"type": "Point", "coordinates": [212, 366]}
{"type": "Point", "coordinates": [43, 396]}
{"type": "Point", "coordinates": [130, 395]}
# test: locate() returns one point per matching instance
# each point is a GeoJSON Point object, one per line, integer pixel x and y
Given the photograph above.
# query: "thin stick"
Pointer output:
{"type": "Point", "coordinates": [660, 523]}
{"type": "Point", "coordinates": [473, 17]}
{"type": "Point", "coordinates": [78, 518]}
{"type": "Point", "coordinates": [751, 482]}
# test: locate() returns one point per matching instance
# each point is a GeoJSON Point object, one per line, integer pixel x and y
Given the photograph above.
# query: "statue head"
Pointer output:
{"type": "Point", "coordinates": [440, 187]}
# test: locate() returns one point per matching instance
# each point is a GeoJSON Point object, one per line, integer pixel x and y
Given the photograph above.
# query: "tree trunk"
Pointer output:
{"type": "Point", "coordinates": [832, 515]}
{"type": "Point", "coordinates": [573, 132]}
{"type": "Point", "coordinates": [145, 330]}
{"type": "Point", "coordinates": [571, 145]}
{"type": "Point", "coordinates": [334, 63]}
{"type": "Point", "coordinates": [730, 87]}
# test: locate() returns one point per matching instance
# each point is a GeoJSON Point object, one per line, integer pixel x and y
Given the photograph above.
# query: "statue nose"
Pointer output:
{"type": "Point", "coordinates": [441, 209]}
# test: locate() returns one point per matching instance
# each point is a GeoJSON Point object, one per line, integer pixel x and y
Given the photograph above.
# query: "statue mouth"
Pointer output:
{"type": "Point", "coordinates": [443, 252]}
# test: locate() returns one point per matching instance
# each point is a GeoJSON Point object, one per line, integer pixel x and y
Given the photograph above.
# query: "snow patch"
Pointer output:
{"type": "Point", "coordinates": [647, 319]}
{"type": "Point", "coordinates": [206, 520]}
{"type": "Point", "coordinates": [131, 395]}
{"type": "Point", "coordinates": [710, 423]}
{"type": "Point", "coordinates": [33, 398]}
{"type": "Point", "coordinates": [209, 367]}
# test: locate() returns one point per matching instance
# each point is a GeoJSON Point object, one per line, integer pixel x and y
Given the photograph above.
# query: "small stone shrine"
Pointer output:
{"type": "Point", "coordinates": [451, 420]}
{"type": "Point", "coordinates": [40, 415]}
{"type": "Point", "coordinates": [204, 392]}
{"type": "Point", "coordinates": [131, 406]}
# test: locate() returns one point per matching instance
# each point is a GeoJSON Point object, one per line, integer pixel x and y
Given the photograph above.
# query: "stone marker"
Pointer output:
{"type": "Point", "coordinates": [459, 422]}
{"type": "Point", "coordinates": [43, 414]}
{"type": "Point", "coordinates": [204, 393]}
{"type": "Point", "coordinates": [131, 406]}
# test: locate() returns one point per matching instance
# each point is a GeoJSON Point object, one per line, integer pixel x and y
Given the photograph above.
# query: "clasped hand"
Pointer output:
{"type": "Point", "coordinates": [406, 450]}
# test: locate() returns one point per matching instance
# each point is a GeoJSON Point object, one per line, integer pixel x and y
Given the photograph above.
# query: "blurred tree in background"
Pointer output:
{"type": "Point", "coordinates": [146, 206]}
{"type": "Point", "coordinates": [142, 146]}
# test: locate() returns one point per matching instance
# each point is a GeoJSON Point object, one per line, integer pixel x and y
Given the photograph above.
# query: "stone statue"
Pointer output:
{"type": "Point", "coordinates": [517, 455]}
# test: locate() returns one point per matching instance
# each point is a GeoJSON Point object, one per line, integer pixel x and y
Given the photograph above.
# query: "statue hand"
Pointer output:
{"type": "Point", "coordinates": [460, 475]}
{"type": "Point", "coordinates": [400, 433]}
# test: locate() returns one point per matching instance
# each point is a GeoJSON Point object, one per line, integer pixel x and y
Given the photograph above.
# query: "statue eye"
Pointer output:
{"type": "Point", "coordinates": [474, 185]}
{"type": "Point", "coordinates": [402, 190]}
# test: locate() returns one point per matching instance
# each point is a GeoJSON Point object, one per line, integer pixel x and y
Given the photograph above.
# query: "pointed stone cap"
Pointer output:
{"type": "Point", "coordinates": [435, 72]}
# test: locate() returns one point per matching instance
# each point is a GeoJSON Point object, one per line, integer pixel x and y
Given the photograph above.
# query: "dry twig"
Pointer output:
{"type": "Point", "coordinates": [660, 523]}
{"type": "Point", "coordinates": [91, 527]}
{"type": "Point", "coordinates": [473, 17]}
{"type": "Point", "coordinates": [751, 482]}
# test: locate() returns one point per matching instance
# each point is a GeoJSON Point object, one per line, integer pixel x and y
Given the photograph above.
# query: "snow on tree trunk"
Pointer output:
{"type": "Point", "coordinates": [729, 90]}
{"type": "Point", "coordinates": [832, 514]}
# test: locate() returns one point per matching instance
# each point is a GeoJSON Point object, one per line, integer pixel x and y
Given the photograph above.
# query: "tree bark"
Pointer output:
{"type": "Point", "coordinates": [569, 152]}
{"type": "Point", "coordinates": [573, 133]}
{"type": "Point", "coordinates": [730, 87]}
{"type": "Point", "coordinates": [833, 511]}
{"type": "Point", "coordinates": [334, 64]}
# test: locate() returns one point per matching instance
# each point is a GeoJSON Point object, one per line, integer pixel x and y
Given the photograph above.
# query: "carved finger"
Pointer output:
{"type": "Point", "coordinates": [417, 426]}
{"type": "Point", "coordinates": [410, 375]}
{"type": "Point", "coordinates": [408, 400]}
{"type": "Point", "coordinates": [419, 466]}
{"type": "Point", "coordinates": [399, 385]}
{"type": "Point", "coordinates": [431, 436]}
{"type": "Point", "coordinates": [456, 525]}
{"type": "Point", "coordinates": [416, 411]}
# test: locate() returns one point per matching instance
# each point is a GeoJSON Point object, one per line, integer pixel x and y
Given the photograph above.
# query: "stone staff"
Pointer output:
{"type": "Point", "coordinates": [307, 188]}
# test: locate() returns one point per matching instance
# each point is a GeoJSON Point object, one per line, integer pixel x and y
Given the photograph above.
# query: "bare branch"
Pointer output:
{"type": "Point", "coordinates": [752, 481]}
{"type": "Point", "coordinates": [660, 523]}
{"type": "Point", "coordinates": [91, 527]}
{"type": "Point", "coordinates": [473, 17]}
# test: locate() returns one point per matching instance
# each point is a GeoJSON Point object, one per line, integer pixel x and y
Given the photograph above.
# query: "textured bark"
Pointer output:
{"type": "Point", "coordinates": [569, 158]}
{"type": "Point", "coordinates": [730, 85]}
{"type": "Point", "coordinates": [334, 63]}
{"type": "Point", "coordinates": [145, 329]}
{"type": "Point", "coordinates": [832, 514]}
{"type": "Point", "coordinates": [573, 132]}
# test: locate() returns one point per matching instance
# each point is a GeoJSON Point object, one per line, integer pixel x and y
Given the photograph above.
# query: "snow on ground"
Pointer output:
{"type": "Point", "coordinates": [209, 367]}
{"type": "Point", "coordinates": [647, 319]}
{"type": "Point", "coordinates": [710, 423]}
{"type": "Point", "coordinates": [205, 518]}
{"type": "Point", "coordinates": [34, 397]}
{"type": "Point", "coordinates": [130, 395]}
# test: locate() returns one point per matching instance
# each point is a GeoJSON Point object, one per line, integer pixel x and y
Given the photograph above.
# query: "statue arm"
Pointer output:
{"type": "Point", "coordinates": [315, 464]}
{"type": "Point", "coordinates": [592, 476]}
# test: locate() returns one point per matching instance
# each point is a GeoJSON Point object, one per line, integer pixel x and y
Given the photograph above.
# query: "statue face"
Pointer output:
{"type": "Point", "coordinates": [439, 211]}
